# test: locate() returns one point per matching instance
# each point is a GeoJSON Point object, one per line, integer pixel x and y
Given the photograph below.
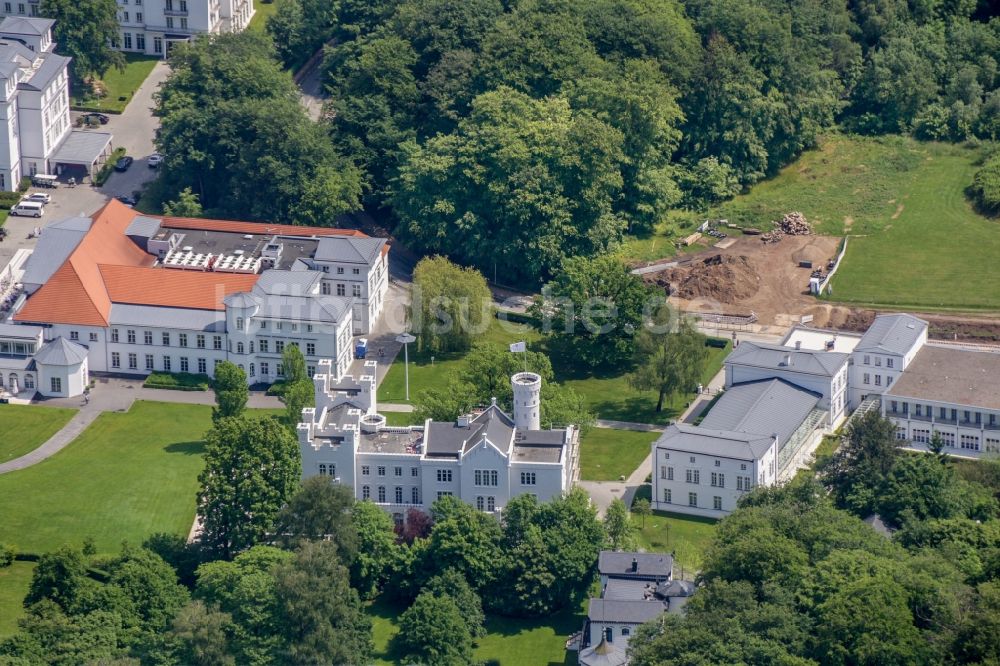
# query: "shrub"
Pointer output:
{"type": "Point", "coordinates": [985, 188]}
{"type": "Point", "coordinates": [180, 381]}
{"type": "Point", "coordinates": [6, 555]}
{"type": "Point", "coordinates": [24, 184]}
{"type": "Point", "coordinates": [105, 172]}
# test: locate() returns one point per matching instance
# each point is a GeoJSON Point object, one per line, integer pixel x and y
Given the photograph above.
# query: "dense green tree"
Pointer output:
{"type": "Point", "coordinates": [297, 392]}
{"type": "Point", "coordinates": [867, 452]}
{"type": "Point", "coordinates": [320, 617]}
{"type": "Point", "coordinates": [670, 356]}
{"type": "Point", "coordinates": [618, 525]}
{"type": "Point", "coordinates": [378, 553]}
{"type": "Point", "coordinates": [150, 595]}
{"type": "Point", "coordinates": [592, 310]}
{"type": "Point", "coordinates": [48, 635]}
{"type": "Point", "coordinates": [60, 577]}
{"type": "Point", "coordinates": [517, 187]}
{"type": "Point", "coordinates": [451, 305]}
{"type": "Point", "coordinates": [452, 584]}
{"type": "Point", "coordinates": [433, 631]}
{"type": "Point", "coordinates": [489, 367]}
{"type": "Point", "coordinates": [320, 510]}
{"type": "Point", "coordinates": [186, 205]}
{"type": "Point", "coordinates": [200, 635]}
{"type": "Point", "coordinates": [86, 32]}
{"type": "Point", "coordinates": [985, 188]}
{"type": "Point", "coordinates": [641, 507]}
{"type": "Point", "coordinates": [251, 469]}
{"type": "Point", "coordinates": [231, 391]}
{"type": "Point", "coordinates": [446, 403]}
{"type": "Point", "coordinates": [462, 539]}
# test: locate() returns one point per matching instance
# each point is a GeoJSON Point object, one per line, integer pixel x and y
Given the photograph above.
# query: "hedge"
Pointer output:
{"type": "Point", "coordinates": [985, 188]}
{"type": "Point", "coordinates": [109, 166]}
{"type": "Point", "coordinates": [179, 381]}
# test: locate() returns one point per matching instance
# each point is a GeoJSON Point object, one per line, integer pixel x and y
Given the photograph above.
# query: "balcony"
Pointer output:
{"type": "Point", "coordinates": [175, 12]}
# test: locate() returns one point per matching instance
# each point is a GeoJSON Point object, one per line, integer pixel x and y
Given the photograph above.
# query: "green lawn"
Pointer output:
{"type": "Point", "coordinates": [127, 476]}
{"type": "Point", "coordinates": [509, 642]}
{"type": "Point", "coordinates": [399, 418]}
{"type": "Point", "coordinates": [262, 11]}
{"type": "Point", "coordinates": [606, 454]}
{"type": "Point", "coordinates": [26, 427]}
{"type": "Point", "coordinates": [685, 536]}
{"type": "Point", "coordinates": [120, 84]}
{"type": "Point", "coordinates": [14, 582]}
{"type": "Point", "coordinates": [915, 240]}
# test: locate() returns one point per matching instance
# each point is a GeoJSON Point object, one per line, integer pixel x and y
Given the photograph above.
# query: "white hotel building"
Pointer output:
{"type": "Point", "coordinates": [485, 458]}
{"type": "Point", "coordinates": [140, 294]}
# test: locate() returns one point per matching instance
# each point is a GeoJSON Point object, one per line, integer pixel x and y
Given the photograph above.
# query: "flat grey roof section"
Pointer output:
{"type": "Point", "coordinates": [292, 283]}
{"type": "Point", "coordinates": [143, 226]}
{"type": "Point", "coordinates": [719, 443]}
{"type": "Point", "coordinates": [26, 25]}
{"type": "Point", "coordinates": [81, 147]}
{"type": "Point", "coordinates": [953, 376]}
{"type": "Point", "coordinates": [619, 563]}
{"type": "Point", "coordinates": [327, 309]}
{"type": "Point", "coordinates": [760, 355]}
{"type": "Point", "coordinates": [769, 406]}
{"type": "Point", "coordinates": [528, 453]}
{"type": "Point", "coordinates": [18, 331]}
{"type": "Point", "coordinates": [892, 334]}
{"type": "Point", "coordinates": [626, 612]}
{"type": "Point", "coordinates": [627, 589]}
{"type": "Point", "coordinates": [349, 249]}
{"type": "Point", "coordinates": [209, 321]}
{"type": "Point", "coordinates": [52, 65]}
{"type": "Point", "coordinates": [55, 245]}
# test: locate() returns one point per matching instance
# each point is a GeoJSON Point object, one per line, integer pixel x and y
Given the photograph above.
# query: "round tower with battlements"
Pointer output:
{"type": "Point", "coordinates": [527, 400]}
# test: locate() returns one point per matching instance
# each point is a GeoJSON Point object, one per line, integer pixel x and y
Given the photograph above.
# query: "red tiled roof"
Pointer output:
{"type": "Point", "coordinates": [173, 288]}
{"type": "Point", "coordinates": [254, 227]}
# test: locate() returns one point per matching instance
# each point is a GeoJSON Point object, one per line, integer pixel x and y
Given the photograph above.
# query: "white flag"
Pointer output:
{"type": "Point", "coordinates": [519, 347]}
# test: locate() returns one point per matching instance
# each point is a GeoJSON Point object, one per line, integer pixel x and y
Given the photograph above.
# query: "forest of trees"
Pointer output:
{"type": "Point", "coordinates": [510, 136]}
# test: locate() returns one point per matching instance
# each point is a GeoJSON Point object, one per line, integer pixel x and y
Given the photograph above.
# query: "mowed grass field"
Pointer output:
{"type": "Point", "coordinates": [120, 84]}
{"type": "Point", "coordinates": [23, 428]}
{"type": "Point", "coordinates": [14, 583]}
{"type": "Point", "coordinates": [606, 454]}
{"type": "Point", "coordinates": [127, 476]}
{"type": "Point", "coordinates": [915, 240]}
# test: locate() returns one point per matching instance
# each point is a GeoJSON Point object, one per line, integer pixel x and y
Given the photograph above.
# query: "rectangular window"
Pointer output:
{"type": "Point", "coordinates": [381, 494]}
{"type": "Point", "coordinates": [130, 336]}
{"type": "Point", "coordinates": [380, 470]}
{"type": "Point", "coordinates": [868, 360]}
{"type": "Point", "coordinates": [692, 499]}
{"type": "Point", "coordinates": [74, 335]}
{"type": "Point", "coordinates": [878, 380]}
{"type": "Point", "coordinates": [202, 366]}
{"type": "Point", "coordinates": [166, 364]}
{"type": "Point", "coordinates": [265, 368]}
{"type": "Point", "coordinates": [184, 23]}
{"type": "Point", "coordinates": [366, 492]}
{"type": "Point", "coordinates": [970, 442]}
{"type": "Point", "coordinates": [157, 45]}
{"type": "Point", "coordinates": [666, 495]}
{"type": "Point", "coordinates": [340, 270]}
{"type": "Point", "coordinates": [217, 342]}
{"type": "Point", "coordinates": [165, 339]}
{"type": "Point", "coordinates": [310, 349]}
{"type": "Point", "coordinates": [200, 340]}
{"type": "Point", "coordinates": [279, 346]}
{"type": "Point", "coordinates": [341, 289]}
{"type": "Point", "coordinates": [663, 472]}
{"type": "Point", "coordinates": [170, 22]}
{"type": "Point", "coordinates": [356, 290]}
{"type": "Point", "coordinates": [147, 337]}
{"type": "Point", "coordinates": [491, 504]}
{"type": "Point", "coordinates": [894, 407]}
{"type": "Point", "coordinates": [866, 379]}
{"type": "Point", "coordinates": [56, 385]}
{"type": "Point", "coordinates": [263, 346]}
{"type": "Point", "coordinates": [717, 503]}
{"type": "Point", "coordinates": [149, 361]}
{"type": "Point", "coordinates": [415, 495]}
{"type": "Point", "coordinates": [444, 493]}
{"type": "Point", "coordinates": [527, 478]}
{"type": "Point", "coordinates": [888, 362]}
{"type": "Point", "coordinates": [140, 38]}
{"type": "Point", "coordinates": [397, 471]}
{"type": "Point", "coordinates": [184, 364]}
{"type": "Point", "coordinates": [327, 469]}
{"type": "Point", "coordinates": [281, 370]}
{"type": "Point", "coordinates": [325, 288]}
{"type": "Point", "coordinates": [693, 476]}
{"type": "Point", "coordinates": [444, 476]}
{"type": "Point", "coordinates": [182, 340]}
{"type": "Point", "coordinates": [670, 474]}
{"type": "Point", "coordinates": [114, 335]}
{"type": "Point", "coordinates": [480, 503]}
{"type": "Point", "coordinates": [128, 35]}
{"type": "Point", "coordinates": [366, 470]}
{"type": "Point", "coordinates": [486, 477]}
{"type": "Point", "coordinates": [133, 361]}
{"type": "Point", "coordinates": [116, 360]}
{"type": "Point", "coordinates": [399, 494]}
{"type": "Point", "coordinates": [414, 471]}
{"type": "Point", "coordinates": [93, 337]}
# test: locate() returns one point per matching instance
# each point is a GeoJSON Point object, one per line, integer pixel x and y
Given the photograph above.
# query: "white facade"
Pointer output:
{"type": "Point", "coordinates": [34, 99]}
{"type": "Point", "coordinates": [28, 364]}
{"type": "Point", "coordinates": [883, 353]}
{"type": "Point", "coordinates": [485, 459]}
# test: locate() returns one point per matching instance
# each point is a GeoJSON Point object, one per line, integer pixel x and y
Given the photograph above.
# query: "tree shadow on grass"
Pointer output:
{"type": "Point", "coordinates": [186, 448]}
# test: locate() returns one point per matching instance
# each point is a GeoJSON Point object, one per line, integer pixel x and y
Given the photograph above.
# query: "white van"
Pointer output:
{"type": "Point", "coordinates": [28, 209]}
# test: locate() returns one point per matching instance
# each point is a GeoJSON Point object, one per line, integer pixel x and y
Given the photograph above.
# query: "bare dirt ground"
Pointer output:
{"type": "Point", "coordinates": [765, 279]}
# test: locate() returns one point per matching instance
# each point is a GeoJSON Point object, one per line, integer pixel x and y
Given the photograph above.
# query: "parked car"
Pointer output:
{"type": "Point", "coordinates": [127, 200]}
{"type": "Point", "coordinates": [40, 197]}
{"type": "Point", "coordinates": [154, 160]}
{"type": "Point", "coordinates": [124, 163]}
{"type": "Point", "coordinates": [99, 117]}
{"type": "Point", "coordinates": [45, 180]}
{"type": "Point", "coordinates": [28, 209]}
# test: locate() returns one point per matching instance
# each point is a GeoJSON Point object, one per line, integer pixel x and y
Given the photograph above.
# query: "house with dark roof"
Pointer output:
{"type": "Point", "coordinates": [635, 588]}
{"type": "Point", "coordinates": [148, 294]}
{"type": "Point", "coordinates": [882, 355]}
{"type": "Point", "coordinates": [485, 458]}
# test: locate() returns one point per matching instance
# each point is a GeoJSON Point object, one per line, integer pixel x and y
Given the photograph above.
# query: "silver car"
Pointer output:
{"type": "Point", "coordinates": [40, 197]}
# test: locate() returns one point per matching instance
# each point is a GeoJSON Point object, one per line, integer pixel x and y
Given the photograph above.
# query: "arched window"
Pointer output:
{"type": "Point", "coordinates": [239, 347]}
{"type": "Point", "coordinates": [29, 381]}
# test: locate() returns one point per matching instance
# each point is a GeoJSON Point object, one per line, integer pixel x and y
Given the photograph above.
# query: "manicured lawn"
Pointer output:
{"type": "Point", "coordinates": [26, 427]}
{"type": "Point", "coordinates": [427, 374]}
{"type": "Point", "coordinates": [120, 84]}
{"type": "Point", "coordinates": [606, 454]}
{"type": "Point", "coordinates": [127, 476]}
{"type": "Point", "coordinates": [685, 536]}
{"type": "Point", "coordinates": [610, 397]}
{"type": "Point", "coordinates": [14, 582]}
{"type": "Point", "coordinates": [399, 418]}
{"type": "Point", "coordinates": [509, 642]}
{"type": "Point", "coordinates": [262, 11]}
{"type": "Point", "coordinates": [916, 241]}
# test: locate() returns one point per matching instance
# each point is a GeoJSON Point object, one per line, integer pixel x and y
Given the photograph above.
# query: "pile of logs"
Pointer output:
{"type": "Point", "coordinates": [772, 236]}
{"type": "Point", "coordinates": [794, 224]}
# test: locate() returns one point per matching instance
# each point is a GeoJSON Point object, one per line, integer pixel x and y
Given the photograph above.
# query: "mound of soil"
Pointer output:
{"type": "Point", "coordinates": [724, 278]}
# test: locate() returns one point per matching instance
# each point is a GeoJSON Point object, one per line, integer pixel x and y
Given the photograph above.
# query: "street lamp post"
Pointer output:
{"type": "Point", "coordinates": [405, 339]}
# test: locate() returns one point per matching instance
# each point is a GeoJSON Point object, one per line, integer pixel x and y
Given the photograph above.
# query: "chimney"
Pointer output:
{"type": "Point", "coordinates": [635, 565]}
{"type": "Point", "coordinates": [463, 421]}
{"type": "Point", "coordinates": [798, 344]}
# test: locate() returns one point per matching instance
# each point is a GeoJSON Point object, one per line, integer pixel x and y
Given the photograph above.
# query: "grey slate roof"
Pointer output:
{"type": "Point", "coordinates": [81, 147]}
{"type": "Point", "coordinates": [720, 443]}
{"type": "Point", "coordinates": [447, 438]}
{"type": "Point", "coordinates": [614, 563]}
{"type": "Point", "coordinates": [209, 321]}
{"type": "Point", "coordinates": [626, 589]}
{"type": "Point", "coordinates": [26, 25]}
{"type": "Point", "coordinates": [57, 242]}
{"type": "Point", "coordinates": [61, 352]}
{"type": "Point", "coordinates": [765, 407]}
{"type": "Point", "coordinates": [18, 331]}
{"type": "Point", "coordinates": [241, 299]}
{"type": "Point", "coordinates": [626, 612]}
{"type": "Point", "coordinates": [892, 334]}
{"type": "Point", "coordinates": [329, 309]}
{"type": "Point", "coordinates": [143, 226]}
{"type": "Point", "coordinates": [293, 283]}
{"type": "Point", "coordinates": [349, 249]}
{"type": "Point", "coordinates": [52, 65]}
{"type": "Point", "coordinates": [759, 355]}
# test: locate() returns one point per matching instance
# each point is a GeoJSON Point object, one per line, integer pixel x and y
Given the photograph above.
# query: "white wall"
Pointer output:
{"type": "Point", "coordinates": [665, 458]}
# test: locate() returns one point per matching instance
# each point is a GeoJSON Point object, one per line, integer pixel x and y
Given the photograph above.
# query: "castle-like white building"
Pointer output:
{"type": "Point", "coordinates": [484, 458]}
